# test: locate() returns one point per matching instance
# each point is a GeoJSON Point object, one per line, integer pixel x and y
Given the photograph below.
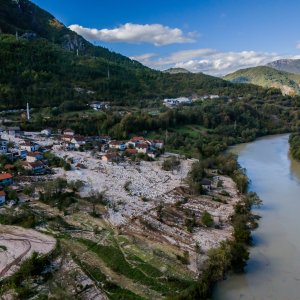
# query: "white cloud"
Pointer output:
{"type": "Point", "coordinates": [156, 34]}
{"type": "Point", "coordinates": [298, 45]}
{"type": "Point", "coordinates": [210, 61]}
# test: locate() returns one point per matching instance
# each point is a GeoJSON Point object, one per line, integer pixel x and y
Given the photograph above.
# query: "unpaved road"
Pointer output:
{"type": "Point", "coordinates": [17, 244]}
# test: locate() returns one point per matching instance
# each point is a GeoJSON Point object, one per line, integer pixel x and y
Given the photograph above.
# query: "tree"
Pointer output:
{"type": "Point", "coordinates": [96, 198]}
{"type": "Point", "coordinates": [207, 219]}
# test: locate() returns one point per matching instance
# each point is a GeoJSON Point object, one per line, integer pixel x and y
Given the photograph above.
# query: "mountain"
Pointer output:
{"type": "Point", "coordinates": [287, 65]}
{"type": "Point", "coordinates": [177, 71]}
{"type": "Point", "coordinates": [267, 77]}
{"type": "Point", "coordinates": [45, 63]}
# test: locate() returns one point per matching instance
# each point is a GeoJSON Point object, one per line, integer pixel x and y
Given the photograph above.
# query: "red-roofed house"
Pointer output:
{"type": "Point", "coordinates": [69, 132]}
{"type": "Point", "coordinates": [131, 151]}
{"type": "Point", "coordinates": [135, 141]}
{"type": "Point", "coordinates": [142, 148]}
{"type": "Point", "coordinates": [6, 179]}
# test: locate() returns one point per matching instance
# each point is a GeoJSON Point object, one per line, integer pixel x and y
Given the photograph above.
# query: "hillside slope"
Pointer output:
{"type": "Point", "coordinates": [267, 77]}
{"type": "Point", "coordinates": [40, 65]}
{"type": "Point", "coordinates": [287, 65]}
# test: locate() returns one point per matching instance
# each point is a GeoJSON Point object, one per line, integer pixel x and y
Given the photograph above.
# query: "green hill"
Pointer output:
{"type": "Point", "coordinates": [267, 77]}
{"type": "Point", "coordinates": [40, 64]}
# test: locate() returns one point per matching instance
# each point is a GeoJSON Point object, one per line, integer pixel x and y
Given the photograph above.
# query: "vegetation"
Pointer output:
{"type": "Point", "coordinates": [266, 76]}
{"type": "Point", "coordinates": [171, 164]}
{"type": "Point", "coordinates": [294, 141]}
{"type": "Point", "coordinates": [207, 219]}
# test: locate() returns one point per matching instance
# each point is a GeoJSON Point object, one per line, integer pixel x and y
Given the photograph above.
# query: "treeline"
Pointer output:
{"type": "Point", "coordinates": [222, 123]}
{"type": "Point", "coordinates": [294, 141]}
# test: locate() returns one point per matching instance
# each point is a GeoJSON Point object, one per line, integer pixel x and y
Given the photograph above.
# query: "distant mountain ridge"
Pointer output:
{"type": "Point", "coordinates": [268, 77]}
{"type": "Point", "coordinates": [287, 65]}
{"type": "Point", "coordinates": [177, 71]}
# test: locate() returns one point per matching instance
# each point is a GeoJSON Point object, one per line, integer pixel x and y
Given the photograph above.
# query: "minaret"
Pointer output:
{"type": "Point", "coordinates": [28, 112]}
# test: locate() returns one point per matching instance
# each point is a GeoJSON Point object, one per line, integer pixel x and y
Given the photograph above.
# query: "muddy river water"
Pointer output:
{"type": "Point", "coordinates": [273, 271]}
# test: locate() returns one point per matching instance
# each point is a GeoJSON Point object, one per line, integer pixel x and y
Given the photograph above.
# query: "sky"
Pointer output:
{"type": "Point", "coordinates": [215, 37]}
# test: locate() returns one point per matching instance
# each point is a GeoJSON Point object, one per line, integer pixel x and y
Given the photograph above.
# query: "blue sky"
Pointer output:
{"type": "Point", "coordinates": [210, 36]}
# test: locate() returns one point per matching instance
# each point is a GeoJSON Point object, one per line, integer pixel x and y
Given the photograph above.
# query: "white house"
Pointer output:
{"type": "Point", "coordinates": [96, 105]}
{"type": "Point", "coordinates": [78, 141]}
{"type": "Point", "coordinates": [170, 102]}
{"type": "Point", "coordinates": [13, 131]}
{"type": "Point", "coordinates": [29, 146]}
{"type": "Point", "coordinates": [36, 167]}
{"type": "Point", "coordinates": [34, 156]}
{"type": "Point", "coordinates": [3, 146]}
{"type": "Point", "coordinates": [46, 132]}
{"type": "Point", "coordinates": [135, 141]}
{"type": "Point", "coordinates": [157, 144]}
{"type": "Point", "coordinates": [2, 197]}
{"type": "Point", "coordinates": [69, 132]}
{"type": "Point", "coordinates": [119, 145]}
{"type": "Point", "coordinates": [142, 148]}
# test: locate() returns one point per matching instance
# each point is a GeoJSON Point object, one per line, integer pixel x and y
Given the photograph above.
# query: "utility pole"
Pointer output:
{"type": "Point", "coordinates": [28, 112]}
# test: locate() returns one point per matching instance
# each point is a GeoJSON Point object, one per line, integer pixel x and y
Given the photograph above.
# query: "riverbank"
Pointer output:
{"type": "Point", "coordinates": [273, 268]}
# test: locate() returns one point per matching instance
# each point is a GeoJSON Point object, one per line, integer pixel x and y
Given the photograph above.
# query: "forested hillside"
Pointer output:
{"type": "Point", "coordinates": [41, 65]}
{"type": "Point", "coordinates": [268, 77]}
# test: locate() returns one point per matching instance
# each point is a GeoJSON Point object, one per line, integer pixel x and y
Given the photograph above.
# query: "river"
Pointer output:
{"type": "Point", "coordinates": [273, 271]}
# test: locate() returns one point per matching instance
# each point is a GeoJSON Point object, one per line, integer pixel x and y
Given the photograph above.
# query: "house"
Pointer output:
{"type": "Point", "coordinates": [46, 132]}
{"type": "Point", "coordinates": [119, 145]}
{"type": "Point", "coordinates": [22, 154]}
{"type": "Point", "coordinates": [177, 101]}
{"type": "Point", "coordinates": [36, 167]}
{"type": "Point", "coordinates": [29, 146]}
{"type": "Point", "coordinates": [78, 141]}
{"type": "Point", "coordinates": [67, 138]}
{"type": "Point", "coordinates": [111, 157]}
{"type": "Point", "coordinates": [206, 184]}
{"type": "Point", "coordinates": [6, 179]}
{"type": "Point", "coordinates": [135, 141]}
{"type": "Point", "coordinates": [142, 148]}
{"type": "Point", "coordinates": [3, 146]}
{"type": "Point", "coordinates": [157, 144]}
{"type": "Point", "coordinates": [34, 156]}
{"type": "Point", "coordinates": [105, 139]}
{"type": "Point", "coordinates": [131, 152]}
{"type": "Point", "coordinates": [69, 132]}
{"type": "Point", "coordinates": [96, 105]}
{"type": "Point", "coordinates": [13, 131]}
{"type": "Point", "coordinates": [2, 197]}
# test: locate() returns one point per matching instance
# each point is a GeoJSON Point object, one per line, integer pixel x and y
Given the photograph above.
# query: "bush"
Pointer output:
{"type": "Point", "coordinates": [171, 164]}
{"type": "Point", "coordinates": [207, 219]}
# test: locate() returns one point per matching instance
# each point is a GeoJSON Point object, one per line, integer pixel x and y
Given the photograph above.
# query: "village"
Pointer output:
{"type": "Point", "coordinates": [140, 198]}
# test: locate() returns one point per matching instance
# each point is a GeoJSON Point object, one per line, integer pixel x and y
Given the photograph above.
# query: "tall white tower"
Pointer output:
{"type": "Point", "coordinates": [28, 112]}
